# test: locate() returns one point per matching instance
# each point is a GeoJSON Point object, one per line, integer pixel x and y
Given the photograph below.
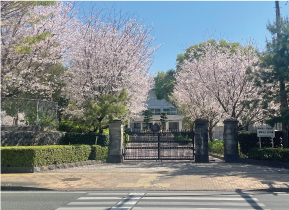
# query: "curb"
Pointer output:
{"type": "Point", "coordinates": [21, 188]}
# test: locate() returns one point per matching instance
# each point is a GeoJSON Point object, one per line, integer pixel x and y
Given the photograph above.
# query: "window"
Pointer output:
{"type": "Point", "coordinates": [173, 125]}
{"type": "Point", "coordinates": [136, 125]}
{"type": "Point", "coordinates": [147, 126]}
{"type": "Point", "coordinates": [171, 111]}
{"type": "Point", "coordinates": [166, 110]}
{"type": "Point", "coordinates": [156, 111]}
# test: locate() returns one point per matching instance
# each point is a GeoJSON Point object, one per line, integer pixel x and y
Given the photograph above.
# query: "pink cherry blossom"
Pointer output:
{"type": "Point", "coordinates": [217, 86]}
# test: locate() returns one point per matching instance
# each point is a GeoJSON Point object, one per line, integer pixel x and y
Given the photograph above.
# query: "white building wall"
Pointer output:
{"type": "Point", "coordinates": [154, 103]}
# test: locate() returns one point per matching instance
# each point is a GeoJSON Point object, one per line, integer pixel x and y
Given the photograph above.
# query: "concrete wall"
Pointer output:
{"type": "Point", "coordinates": [28, 136]}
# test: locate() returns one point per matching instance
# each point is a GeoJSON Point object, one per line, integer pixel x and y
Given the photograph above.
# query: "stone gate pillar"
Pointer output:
{"type": "Point", "coordinates": [231, 153]}
{"type": "Point", "coordinates": [115, 142]}
{"type": "Point", "coordinates": [201, 141]}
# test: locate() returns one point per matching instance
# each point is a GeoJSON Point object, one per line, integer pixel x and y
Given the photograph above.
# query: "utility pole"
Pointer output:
{"type": "Point", "coordinates": [282, 93]}
{"type": "Point", "coordinates": [277, 10]}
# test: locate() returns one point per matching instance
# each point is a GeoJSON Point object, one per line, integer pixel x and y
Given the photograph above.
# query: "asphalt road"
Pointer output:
{"type": "Point", "coordinates": [152, 200]}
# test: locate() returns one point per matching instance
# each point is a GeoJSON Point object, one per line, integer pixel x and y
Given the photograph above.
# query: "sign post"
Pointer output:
{"type": "Point", "coordinates": [265, 131]}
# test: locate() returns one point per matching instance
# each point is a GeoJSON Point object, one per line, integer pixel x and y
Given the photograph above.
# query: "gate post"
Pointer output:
{"type": "Point", "coordinates": [201, 141]}
{"type": "Point", "coordinates": [159, 146]}
{"type": "Point", "coordinates": [115, 142]}
{"type": "Point", "coordinates": [231, 153]}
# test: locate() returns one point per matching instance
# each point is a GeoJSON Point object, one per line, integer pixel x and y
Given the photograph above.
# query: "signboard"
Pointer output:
{"type": "Point", "coordinates": [155, 128]}
{"type": "Point", "coordinates": [265, 131]}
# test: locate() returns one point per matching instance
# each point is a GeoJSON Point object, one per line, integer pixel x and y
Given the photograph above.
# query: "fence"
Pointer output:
{"type": "Point", "coordinates": [22, 111]}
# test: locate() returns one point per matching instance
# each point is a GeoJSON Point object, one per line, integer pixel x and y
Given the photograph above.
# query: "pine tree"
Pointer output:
{"type": "Point", "coordinates": [148, 116]}
{"type": "Point", "coordinates": [163, 120]}
{"type": "Point", "coordinates": [274, 75]}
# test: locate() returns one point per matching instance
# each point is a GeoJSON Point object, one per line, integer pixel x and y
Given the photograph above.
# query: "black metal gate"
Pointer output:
{"type": "Point", "coordinates": [169, 145]}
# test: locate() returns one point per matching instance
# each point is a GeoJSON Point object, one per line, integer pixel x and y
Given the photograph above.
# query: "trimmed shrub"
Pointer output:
{"type": "Point", "coordinates": [103, 139]}
{"type": "Point", "coordinates": [182, 139]}
{"type": "Point", "coordinates": [29, 156]}
{"type": "Point", "coordinates": [85, 138]}
{"type": "Point", "coordinates": [125, 139]}
{"type": "Point", "coordinates": [274, 154]}
{"type": "Point", "coordinates": [216, 147]}
{"type": "Point", "coordinates": [247, 141]}
{"type": "Point", "coordinates": [250, 140]}
{"type": "Point", "coordinates": [98, 152]}
{"type": "Point", "coordinates": [69, 126]}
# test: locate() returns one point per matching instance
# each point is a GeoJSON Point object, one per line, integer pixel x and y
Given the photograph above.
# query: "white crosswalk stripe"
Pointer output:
{"type": "Point", "coordinates": [165, 200]}
{"type": "Point", "coordinates": [94, 201]}
{"type": "Point", "coordinates": [198, 201]}
{"type": "Point", "coordinates": [104, 201]}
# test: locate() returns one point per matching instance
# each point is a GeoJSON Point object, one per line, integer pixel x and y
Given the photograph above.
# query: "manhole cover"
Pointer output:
{"type": "Point", "coordinates": [71, 179]}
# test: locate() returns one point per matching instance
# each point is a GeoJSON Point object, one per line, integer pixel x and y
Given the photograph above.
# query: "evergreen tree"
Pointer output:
{"type": "Point", "coordinates": [97, 114]}
{"type": "Point", "coordinates": [274, 76]}
{"type": "Point", "coordinates": [164, 84]}
{"type": "Point", "coordinates": [148, 116]}
{"type": "Point", "coordinates": [163, 120]}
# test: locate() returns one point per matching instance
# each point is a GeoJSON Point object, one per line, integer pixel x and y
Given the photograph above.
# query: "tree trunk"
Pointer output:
{"type": "Point", "coordinates": [210, 129]}
{"type": "Point", "coordinates": [100, 129]}
{"type": "Point", "coordinates": [283, 94]}
{"type": "Point", "coordinates": [285, 135]}
{"type": "Point", "coordinates": [16, 120]}
{"type": "Point", "coordinates": [284, 106]}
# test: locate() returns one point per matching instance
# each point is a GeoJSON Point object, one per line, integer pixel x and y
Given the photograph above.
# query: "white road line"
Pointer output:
{"type": "Point", "coordinates": [194, 194]}
{"type": "Point", "coordinates": [190, 208]}
{"type": "Point", "coordinates": [198, 198]}
{"type": "Point", "coordinates": [196, 203]}
{"type": "Point", "coordinates": [137, 193]}
{"type": "Point", "coordinates": [109, 194]}
{"type": "Point", "coordinates": [127, 203]}
{"type": "Point", "coordinates": [165, 201]}
{"type": "Point", "coordinates": [91, 203]}
{"type": "Point", "coordinates": [100, 198]}
{"type": "Point", "coordinates": [83, 208]}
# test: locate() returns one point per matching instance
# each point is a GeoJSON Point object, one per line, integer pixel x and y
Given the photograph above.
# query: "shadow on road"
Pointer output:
{"type": "Point", "coordinates": [266, 175]}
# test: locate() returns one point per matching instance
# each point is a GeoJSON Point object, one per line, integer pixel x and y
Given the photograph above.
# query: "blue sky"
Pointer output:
{"type": "Point", "coordinates": [180, 24]}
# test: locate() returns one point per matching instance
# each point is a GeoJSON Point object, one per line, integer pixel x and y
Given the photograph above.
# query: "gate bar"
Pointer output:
{"type": "Point", "coordinates": [159, 146]}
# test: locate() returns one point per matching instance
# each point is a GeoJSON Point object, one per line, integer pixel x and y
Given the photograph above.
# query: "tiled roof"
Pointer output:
{"type": "Point", "coordinates": [157, 118]}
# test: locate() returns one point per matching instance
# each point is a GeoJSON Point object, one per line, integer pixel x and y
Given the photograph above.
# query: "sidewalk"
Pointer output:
{"type": "Point", "coordinates": [153, 175]}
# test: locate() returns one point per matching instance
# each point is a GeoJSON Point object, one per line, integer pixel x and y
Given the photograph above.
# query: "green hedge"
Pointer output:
{"type": "Point", "coordinates": [216, 147]}
{"type": "Point", "coordinates": [69, 126]}
{"type": "Point", "coordinates": [85, 138]}
{"type": "Point", "coordinates": [247, 141]}
{"type": "Point", "coordinates": [250, 140]}
{"type": "Point", "coordinates": [29, 156]}
{"type": "Point", "coordinates": [274, 154]}
{"type": "Point", "coordinates": [98, 152]}
{"type": "Point", "coordinates": [125, 139]}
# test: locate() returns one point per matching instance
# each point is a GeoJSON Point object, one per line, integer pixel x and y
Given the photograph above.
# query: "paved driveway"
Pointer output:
{"type": "Point", "coordinates": [155, 175]}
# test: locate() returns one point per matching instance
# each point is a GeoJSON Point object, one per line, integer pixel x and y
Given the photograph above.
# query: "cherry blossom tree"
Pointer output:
{"type": "Point", "coordinates": [194, 103]}
{"type": "Point", "coordinates": [217, 83]}
{"type": "Point", "coordinates": [32, 39]}
{"type": "Point", "coordinates": [111, 55]}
